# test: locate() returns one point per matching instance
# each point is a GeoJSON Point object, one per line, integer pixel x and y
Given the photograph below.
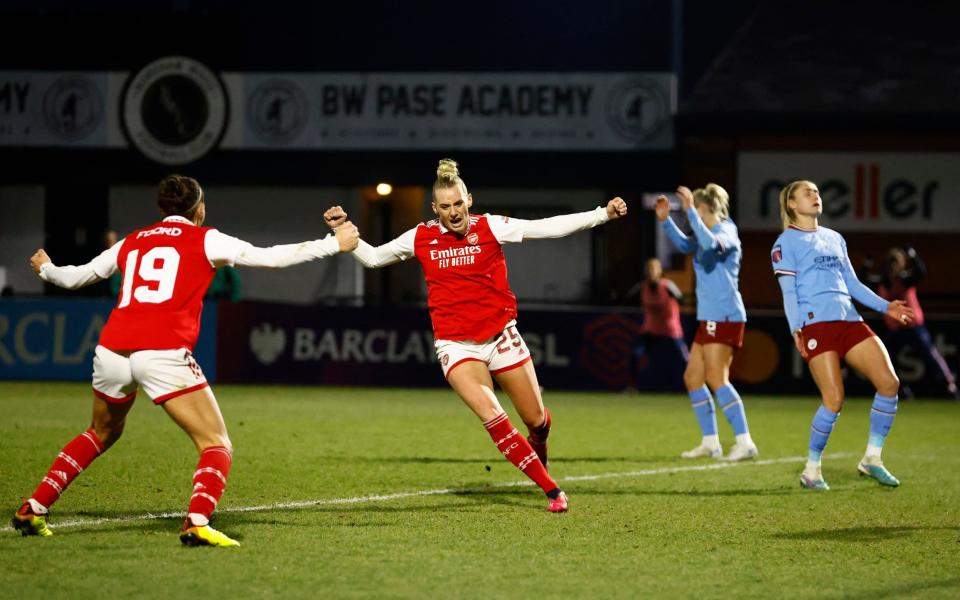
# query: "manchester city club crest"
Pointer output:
{"type": "Point", "coordinates": [73, 108]}
{"type": "Point", "coordinates": [174, 110]}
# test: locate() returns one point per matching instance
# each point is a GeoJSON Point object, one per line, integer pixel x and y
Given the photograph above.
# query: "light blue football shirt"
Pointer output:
{"type": "Point", "coordinates": [716, 262]}
{"type": "Point", "coordinates": [825, 283]}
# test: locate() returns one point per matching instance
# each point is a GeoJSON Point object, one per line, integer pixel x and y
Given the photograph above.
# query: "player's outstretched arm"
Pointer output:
{"type": "Point", "coordinates": [676, 237]}
{"type": "Point", "coordinates": [517, 230]}
{"type": "Point", "coordinates": [73, 277]}
{"type": "Point", "coordinates": [222, 249]}
{"type": "Point", "coordinates": [373, 257]}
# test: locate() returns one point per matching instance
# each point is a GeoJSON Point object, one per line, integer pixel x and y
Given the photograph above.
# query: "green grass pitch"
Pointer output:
{"type": "Point", "coordinates": [454, 519]}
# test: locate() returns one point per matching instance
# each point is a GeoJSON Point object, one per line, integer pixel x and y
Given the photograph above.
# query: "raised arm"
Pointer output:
{"type": "Point", "coordinates": [73, 277]}
{"type": "Point", "coordinates": [392, 252]}
{"type": "Point", "coordinates": [223, 249]}
{"type": "Point", "coordinates": [509, 229]}
{"type": "Point", "coordinates": [677, 237]}
{"type": "Point", "coordinates": [369, 256]}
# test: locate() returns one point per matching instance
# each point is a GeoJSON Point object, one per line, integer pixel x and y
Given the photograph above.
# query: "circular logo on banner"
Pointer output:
{"type": "Point", "coordinates": [72, 107]}
{"type": "Point", "coordinates": [277, 111]}
{"type": "Point", "coordinates": [174, 110]}
{"type": "Point", "coordinates": [638, 109]}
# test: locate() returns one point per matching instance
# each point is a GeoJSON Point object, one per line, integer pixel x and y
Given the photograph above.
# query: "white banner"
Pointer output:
{"type": "Point", "coordinates": [60, 109]}
{"type": "Point", "coordinates": [175, 109]}
{"type": "Point", "coordinates": [861, 191]}
{"type": "Point", "coordinates": [465, 111]}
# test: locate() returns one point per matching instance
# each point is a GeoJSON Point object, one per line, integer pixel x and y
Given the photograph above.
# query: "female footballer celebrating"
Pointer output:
{"type": "Point", "coordinates": [473, 311]}
{"type": "Point", "coordinates": [148, 341]}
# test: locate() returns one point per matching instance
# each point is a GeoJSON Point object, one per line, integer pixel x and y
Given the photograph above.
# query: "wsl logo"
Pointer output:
{"type": "Point", "coordinates": [73, 108]}
{"type": "Point", "coordinates": [174, 110]}
{"type": "Point", "coordinates": [277, 111]}
{"type": "Point", "coordinates": [639, 110]}
{"type": "Point", "coordinates": [267, 343]}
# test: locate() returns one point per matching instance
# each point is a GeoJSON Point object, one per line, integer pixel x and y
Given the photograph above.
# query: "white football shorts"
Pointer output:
{"type": "Point", "coordinates": [163, 374]}
{"type": "Point", "coordinates": [502, 352]}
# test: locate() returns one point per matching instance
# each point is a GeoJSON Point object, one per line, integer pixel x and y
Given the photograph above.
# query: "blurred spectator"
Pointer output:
{"type": "Point", "coordinates": [904, 270]}
{"type": "Point", "coordinates": [225, 285]}
{"type": "Point", "coordinates": [661, 318]}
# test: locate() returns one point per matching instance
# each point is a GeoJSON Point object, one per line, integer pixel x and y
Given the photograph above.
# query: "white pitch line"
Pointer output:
{"type": "Point", "coordinates": [436, 492]}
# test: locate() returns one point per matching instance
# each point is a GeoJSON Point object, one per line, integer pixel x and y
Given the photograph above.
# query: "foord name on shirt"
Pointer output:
{"type": "Point", "coordinates": [174, 231]}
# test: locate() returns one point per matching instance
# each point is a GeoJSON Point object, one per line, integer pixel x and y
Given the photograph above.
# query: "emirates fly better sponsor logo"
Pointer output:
{"type": "Point", "coordinates": [455, 257]}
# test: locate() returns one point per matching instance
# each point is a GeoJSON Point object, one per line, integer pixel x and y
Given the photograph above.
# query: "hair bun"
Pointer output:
{"type": "Point", "coordinates": [172, 187]}
{"type": "Point", "coordinates": [447, 168]}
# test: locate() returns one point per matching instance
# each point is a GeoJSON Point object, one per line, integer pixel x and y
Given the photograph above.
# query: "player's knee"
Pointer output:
{"type": "Point", "coordinates": [694, 380]}
{"type": "Point", "coordinates": [889, 385]}
{"type": "Point", "coordinates": [716, 380]}
{"type": "Point", "coordinates": [833, 399]}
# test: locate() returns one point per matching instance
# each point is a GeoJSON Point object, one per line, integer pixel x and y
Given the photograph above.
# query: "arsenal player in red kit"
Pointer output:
{"type": "Point", "coordinates": [148, 340]}
{"type": "Point", "coordinates": [474, 311]}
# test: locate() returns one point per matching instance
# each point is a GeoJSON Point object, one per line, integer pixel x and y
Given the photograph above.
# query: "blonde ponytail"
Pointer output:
{"type": "Point", "coordinates": [787, 215]}
{"type": "Point", "coordinates": [715, 198]}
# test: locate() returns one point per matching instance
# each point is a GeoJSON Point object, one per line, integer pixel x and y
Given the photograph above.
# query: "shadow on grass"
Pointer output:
{"type": "Point", "coordinates": [912, 589]}
{"type": "Point", "coordinates": [859, 534]}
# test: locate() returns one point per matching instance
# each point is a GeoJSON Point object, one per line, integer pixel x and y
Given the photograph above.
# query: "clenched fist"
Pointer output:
{"type": "Point", "coordinates": [335, 216]}
{"type": "Point", "coordinates": [348, 235]}
{"type": "Point", "coordinates": [616, 208]}
{"type": "Point", "coordinates": [39, 259]}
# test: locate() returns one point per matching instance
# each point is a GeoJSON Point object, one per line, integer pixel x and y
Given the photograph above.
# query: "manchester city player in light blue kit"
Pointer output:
{"type": "Point", "coordinates": [717, 252]}
{"type": "Point", "coordinates": [818, 283]}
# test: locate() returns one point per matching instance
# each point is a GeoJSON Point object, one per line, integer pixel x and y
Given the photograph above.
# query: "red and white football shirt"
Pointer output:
{"type": "Point", "coordinates": [468, 294]}
{"type": "Point", "coordinates": [166, 268]}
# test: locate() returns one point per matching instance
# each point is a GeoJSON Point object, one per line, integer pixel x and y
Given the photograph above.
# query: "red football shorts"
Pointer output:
{"type": "Point", "coordinates": [833, 336]}
{"type": "Point", "coordinates": [725, 332]}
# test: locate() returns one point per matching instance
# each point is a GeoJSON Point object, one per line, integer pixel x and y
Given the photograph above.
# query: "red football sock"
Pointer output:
{"type": "Point", "coordinates": [209, 481]}
{"type": "Point", "coordinates": [518, 451]}
{"type": "Point", "coordinates": [72, 460]}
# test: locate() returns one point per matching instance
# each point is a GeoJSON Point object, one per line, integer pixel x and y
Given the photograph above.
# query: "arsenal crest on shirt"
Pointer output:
{"type": "Point", "coordinates": [473, 238]}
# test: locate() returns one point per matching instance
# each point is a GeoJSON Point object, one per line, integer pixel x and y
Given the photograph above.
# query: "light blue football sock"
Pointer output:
{"type": "Point", "coordinates": [702, 404]}
{"type": "Point", "coordinates": [882, 412]}
{"type": "Point", "coordinates": [820, 432]}
{"type": "Point", "coordinates": [732, 407]}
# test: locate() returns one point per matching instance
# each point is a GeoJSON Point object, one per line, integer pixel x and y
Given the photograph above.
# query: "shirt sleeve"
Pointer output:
{"type": "Point", "coordinates": [677, 237]}
{"type": "Point", "coordinates": [227, 250]}
{"type": "Point", "coordinates": [392, 252]}
{"type": "Point", "coordinates": [507, 229]}
{"type": "Point", "coordinates": [72, 277]}
{"type": "Point", "coordinates": [782, 259]}
{"type": "Point", "coordinates": [788, 285]}
{"type": "Point", "coordinates": [706, 239]}
{"type": "Point", "coordinates": [860, 292]}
